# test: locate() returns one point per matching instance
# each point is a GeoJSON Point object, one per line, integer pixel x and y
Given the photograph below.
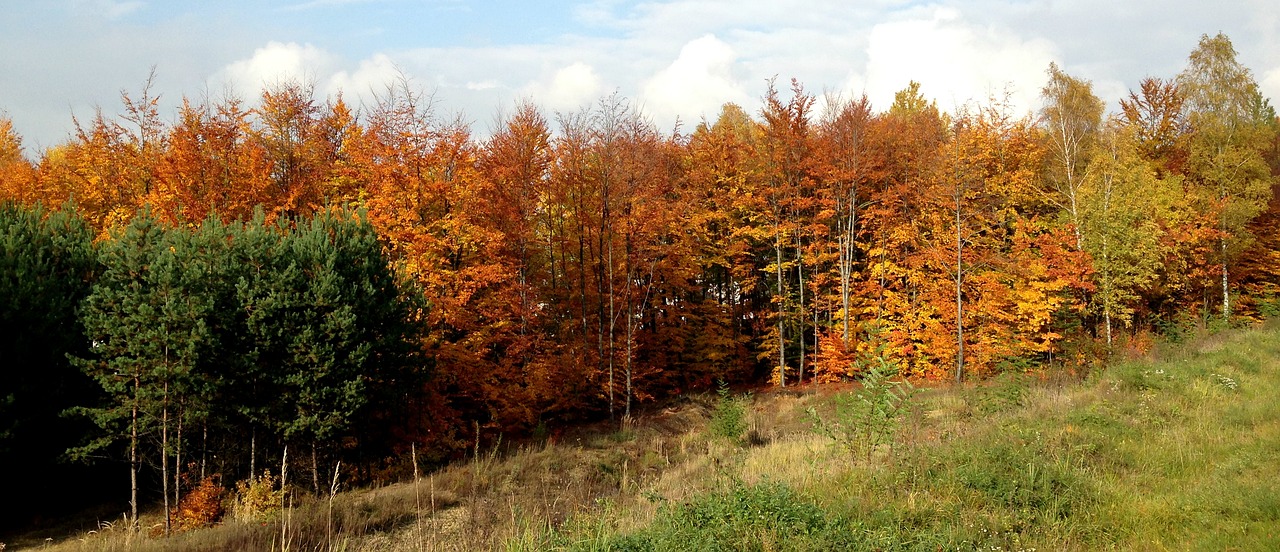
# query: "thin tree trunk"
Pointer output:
{"type": "Point", "coordinates": [959, 284]}
{"type": "Point", "coordinates": [612, 325]}
{"type": "Point", "coordinates": [846, 263]}
{"type": "Point", "coordinates": [204, 446]}
{"type": "Point", "coordinates": [800, 312]}
{"type": "Point", "coordinates": [630, 352]}
{"type": "Point", "coordinates": [1108, 292]}
{"type": "Point", "coordinates": [133, 455]}
{"type": "Point", "coordinates": [1226, 292]}
{"type": "Point", "coordinates": [630, 323]}
{"type": "Point", "coordinates": [177, 461]}
{"type": "Point", "coordinates": [782, 343]}
{"type": "Point", "coordinates": [315, 468]}
{"type": "Point", "coordinates": [816, 337]}
{"type": "Point", "coordinates": [253, 452]}
{"type": "Point", "coordinates": [1108, 285]}
{"type": "Point", "coordinates": [582, 277]}
{"type": "Point", "coordinates": [164, 456]}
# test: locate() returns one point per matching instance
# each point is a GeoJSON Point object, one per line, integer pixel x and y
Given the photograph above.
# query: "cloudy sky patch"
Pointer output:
{"type": "Point", "coordinates": [673, 58]}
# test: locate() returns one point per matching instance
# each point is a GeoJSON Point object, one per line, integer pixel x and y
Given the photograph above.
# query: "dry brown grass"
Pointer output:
{"type": "Point", "coordinates": [510, 499]}
{"type": "Point", "coordinates": [610, 478]}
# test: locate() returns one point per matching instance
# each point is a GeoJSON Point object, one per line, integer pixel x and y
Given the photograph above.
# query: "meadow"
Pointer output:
{"type": "Point", "coordinates": [1176, 450]}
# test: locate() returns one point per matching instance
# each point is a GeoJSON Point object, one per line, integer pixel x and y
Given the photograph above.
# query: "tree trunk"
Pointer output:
{"type": "Point", "coordinates": [177, 460]}
{"type": "Point", "coordinates": [800, 312]}
{"type": "Point", "coordinates": [845, 244]}
{"type": "Point", "coordinates": [816, 336]}
{"type": "Point", "coordinates": [1108, 285]}
{"type": "Point", "coordinates": [959, 284]}
{"type": "Point", "coordinates": [253, 452]}
{"type": "Point", "coordinates": [133, 456]}
{"type": "Point", "coordinates": [1226, 292]}
{"type": "Point", "coordinates": [164, 456]}
{"type": "Point", "coordinates": [630, 353]}
{"type": "Point", "coordinates": [630, 323]}
{"type": "Point", "coordinates": [315, 469]}
{"type": "Point", "coordinates": [612, 325]}
{"type": "Point", "coordinates": [782, 343]}
{"type": "Point", "coordinates": [204, 446]}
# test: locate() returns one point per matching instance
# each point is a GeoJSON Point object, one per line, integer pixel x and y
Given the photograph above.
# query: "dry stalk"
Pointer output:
{"type": "Point", "coordinates": [417, 496]}
{"type": "Point", "coordinates": [333, 491]}
{"type": "Point", "coordinates": [284, 505]}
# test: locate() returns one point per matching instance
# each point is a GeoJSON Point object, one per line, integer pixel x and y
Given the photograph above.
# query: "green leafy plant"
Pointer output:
{"type": "Point", "coordinates": [729, 418]}
{"type": "Point", "coordinates": [867, 419]}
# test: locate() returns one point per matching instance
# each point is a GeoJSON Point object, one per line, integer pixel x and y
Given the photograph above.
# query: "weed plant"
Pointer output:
{"type": "Point", "coordinates": [867, 419]}
{"type": "Point", "coordinates": [729, 418]}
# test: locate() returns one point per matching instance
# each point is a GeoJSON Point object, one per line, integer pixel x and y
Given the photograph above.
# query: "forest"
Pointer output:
{"type": "Point", "coordinates": [206, 293]}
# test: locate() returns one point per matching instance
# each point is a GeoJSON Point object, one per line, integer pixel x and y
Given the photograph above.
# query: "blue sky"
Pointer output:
{"type": "Point", "coordinates": [673, 58]}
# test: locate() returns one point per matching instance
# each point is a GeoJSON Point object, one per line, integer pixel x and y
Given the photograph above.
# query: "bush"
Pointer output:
{"type": "Point", "coordinates": [257, 498]}
{"type": "Point", "coordinates": [201, 507]}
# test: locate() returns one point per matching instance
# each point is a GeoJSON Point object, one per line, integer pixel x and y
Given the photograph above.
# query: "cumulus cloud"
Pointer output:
{"type": "Point", "coordinates": [278, 62]}
{"type": "Point", "coordinates": [954, 61]}
{"type": "Point", "coordinates": [697, 83]}
{"type": "Point", "coordinates": [569, 88]}
{"type": "Point", "coordinates": [284, 62]}
{"type": "Point", "coordinates": [370, 78]}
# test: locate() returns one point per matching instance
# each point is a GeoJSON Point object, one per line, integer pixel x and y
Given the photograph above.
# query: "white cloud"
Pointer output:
{"type": "Point", "coordinates": [570, 88]}
{"type": "Point", "coordinates": [696, 84]}
{"type": "Point", "coordinates": [482, 85]}
{"type": "Point", "coordinates": [305, 63]}
{"type": "Point", "coordinates": [671, 57]}
{"type": "Point", "coordinates": [1269, 85]}
{"type": "Point", "coordinates": [278, 62]}
{"type": "Point", "coordinates": [954, 61]}
{"type": "Point", "coordinates": [369, 79]}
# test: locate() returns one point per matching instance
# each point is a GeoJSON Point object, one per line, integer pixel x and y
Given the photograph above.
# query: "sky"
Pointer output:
{"type": "Point", "coordinates": [675, 60]}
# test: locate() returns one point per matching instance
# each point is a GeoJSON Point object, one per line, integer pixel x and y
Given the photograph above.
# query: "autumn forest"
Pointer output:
{"type": "Point", "coordinates": [196, 293]}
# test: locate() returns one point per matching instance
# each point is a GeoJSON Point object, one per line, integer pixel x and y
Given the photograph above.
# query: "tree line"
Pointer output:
{"type": "Point", "coordinates": [288, 271]}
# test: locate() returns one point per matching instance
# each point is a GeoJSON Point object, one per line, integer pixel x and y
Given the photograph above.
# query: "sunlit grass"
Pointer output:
{"type": "Point", "coordinates": [1175, 452]}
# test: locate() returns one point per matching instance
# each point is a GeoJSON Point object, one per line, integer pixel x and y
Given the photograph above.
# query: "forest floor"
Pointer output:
{"type": "Point", "coordinates": [1179, 450]}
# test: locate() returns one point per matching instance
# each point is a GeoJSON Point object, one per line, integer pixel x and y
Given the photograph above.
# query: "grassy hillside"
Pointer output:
{"type": "Point", "coordinates": [1180, 451]}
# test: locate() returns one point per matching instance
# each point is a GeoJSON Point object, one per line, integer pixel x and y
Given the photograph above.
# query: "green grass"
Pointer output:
{"type": "Point", "coordinates": [1176, 452]}
{"type": "Point", "coordinates": [1179, 452]}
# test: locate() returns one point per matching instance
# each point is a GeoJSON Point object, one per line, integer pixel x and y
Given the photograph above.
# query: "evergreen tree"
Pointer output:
{"type": "Point", "coordinates": [46, 267]}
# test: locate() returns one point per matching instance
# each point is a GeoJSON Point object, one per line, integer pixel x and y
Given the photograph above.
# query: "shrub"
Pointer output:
{"type": "Point", "coordinates": [201, 507]}
{"type": "Point", "coordinates": [257, 498]}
